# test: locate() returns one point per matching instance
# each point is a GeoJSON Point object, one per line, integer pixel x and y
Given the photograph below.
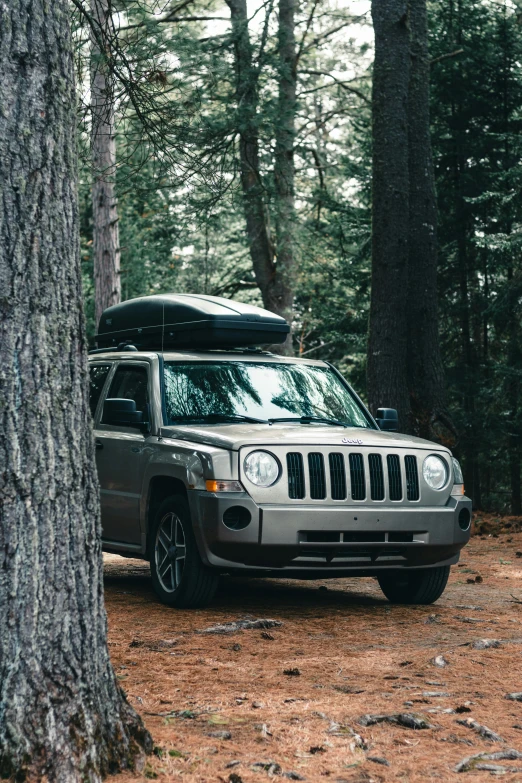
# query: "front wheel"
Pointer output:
{"type": "Point", "coordinates": [178, 575]}
{"type": "Point", "coordinates": [414, 587]}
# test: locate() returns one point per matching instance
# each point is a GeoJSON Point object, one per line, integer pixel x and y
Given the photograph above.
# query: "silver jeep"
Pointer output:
{"type": "Point", "coordinates": [216, 461]}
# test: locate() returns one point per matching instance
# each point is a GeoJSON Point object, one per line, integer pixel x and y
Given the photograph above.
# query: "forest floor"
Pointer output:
{"type": "Point", "coordinates": [287, 702]}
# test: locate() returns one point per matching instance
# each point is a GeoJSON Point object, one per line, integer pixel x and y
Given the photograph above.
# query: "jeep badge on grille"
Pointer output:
{"type": "Point", "coordinates": [354, 441]}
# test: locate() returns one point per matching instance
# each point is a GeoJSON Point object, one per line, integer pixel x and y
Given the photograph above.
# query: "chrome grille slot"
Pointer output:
{"type": "Point", "coordinates": [357, 480]}
{"type": "Point", "coordinates": [412, 477]}
{"type": "Point", "coordinates": [317, 476]}
{"type": "Point", "coordinates": [394, 477]}
{"type": "Point", "coordinates": [296, 482]}
{"type": "Point", "coordinates": [376, 476]}
{"type": "Point", "coordinates": [337, 476]}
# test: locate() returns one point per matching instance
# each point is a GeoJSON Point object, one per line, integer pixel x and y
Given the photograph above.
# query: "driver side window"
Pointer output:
{"type": "Point", "coordinates": [130, 383]}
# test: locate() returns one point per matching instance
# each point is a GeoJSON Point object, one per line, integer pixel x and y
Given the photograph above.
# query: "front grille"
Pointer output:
{"type": "Point", "coordinates": [329, 476]}
{"type": "Point", "coordinates": [412, 478]}
{"type": "Point", "coordinates": [376, 477]}
{"type": "Point", "coordinates": [337, 476]}
{"type": "Point", "coordinates": [317, 477]}
{"type": "Point", "coordinates": [357, 477]}
{"type": "Point", "coordinates": [296, 482]}
{"type": "Point", "coordinates": [394, 476]}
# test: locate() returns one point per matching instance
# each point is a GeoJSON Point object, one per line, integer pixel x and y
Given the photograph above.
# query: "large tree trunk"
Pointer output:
{"type": "Point", "coordinates": [63, 716]}
{"type": "Point", "coordinates": [426, 376]}
{"type": "Point", "coordinates": [106, 241]}
{"type": "Point", "coordinates": [272, 285]}
{"type": "Point", "coordinates": [284, 164]}
{"type": "Point", "coordinates": [388, 339]}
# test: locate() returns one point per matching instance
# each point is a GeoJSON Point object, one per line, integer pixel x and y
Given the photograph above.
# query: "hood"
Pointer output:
{"type": "Point", "coordinates": [235, 436]}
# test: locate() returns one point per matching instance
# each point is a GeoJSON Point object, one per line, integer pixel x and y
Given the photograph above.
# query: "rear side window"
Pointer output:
{"type": "Point", "coordinates": [130, 383]}
{"type": "Point", "coordinates": [98, 373]}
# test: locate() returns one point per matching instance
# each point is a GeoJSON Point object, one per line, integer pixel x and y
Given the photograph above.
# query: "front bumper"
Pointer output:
{"type": "Point", "coordinates": [305, 541]}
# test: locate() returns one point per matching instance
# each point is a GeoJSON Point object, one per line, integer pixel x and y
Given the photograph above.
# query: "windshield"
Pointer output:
{"type": "Point", "coordinates": [217, 392]}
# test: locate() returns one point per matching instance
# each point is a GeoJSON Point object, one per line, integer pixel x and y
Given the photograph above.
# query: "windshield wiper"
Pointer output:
{"type": "Point", "coordinates": [310, 420]}
{"type": "Point", "coordinates": [218, 417]}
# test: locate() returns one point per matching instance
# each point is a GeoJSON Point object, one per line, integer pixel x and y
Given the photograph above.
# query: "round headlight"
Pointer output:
{"type": "Point", "coordinates": [261, 468]}
{"type": "Point", "coordinates": [435, 472]}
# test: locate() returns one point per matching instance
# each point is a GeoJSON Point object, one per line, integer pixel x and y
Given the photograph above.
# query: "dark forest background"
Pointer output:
{"type": "Point", "coordinates": [189, 89]}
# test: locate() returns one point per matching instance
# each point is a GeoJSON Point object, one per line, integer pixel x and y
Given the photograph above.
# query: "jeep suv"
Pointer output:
{"type": "Point", "coordinates": [218, 460]}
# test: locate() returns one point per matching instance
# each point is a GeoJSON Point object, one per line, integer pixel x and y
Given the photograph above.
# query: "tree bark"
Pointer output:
{"type": "Point", "coordinates": [63, 716]}
{"type": "Point", "coordinates": [273, 286]}
{"type": "Point", "coordinates": [284, 173]}
{"type": "Point", "coordinates": [388, 338]}
{"type": "Point", "coordinates": [425, 371]}
{"type": "Point", "coordinates": [106, 242]}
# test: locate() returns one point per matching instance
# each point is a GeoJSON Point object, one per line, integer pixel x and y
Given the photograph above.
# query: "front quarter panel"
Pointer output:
{"type": "Point", "coordinates": [190, 463]}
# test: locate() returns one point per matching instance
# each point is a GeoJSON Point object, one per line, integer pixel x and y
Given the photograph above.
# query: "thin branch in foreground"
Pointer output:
{"type": "Point", "coordinates": [446, 56]}
{"type": "Point", "coordinates": [306, 30]}
{"type": "Point", "coordinates": [342, 84]}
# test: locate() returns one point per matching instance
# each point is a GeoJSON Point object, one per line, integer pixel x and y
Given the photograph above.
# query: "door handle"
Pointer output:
{"type": "Point", "coordinates": [99, 444]}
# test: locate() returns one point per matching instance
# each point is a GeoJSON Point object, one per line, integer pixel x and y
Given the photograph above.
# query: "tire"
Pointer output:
{"type": "Point", "coordinates": [178, 575]}
{"type": "Point", "coordinates": [414, 587]}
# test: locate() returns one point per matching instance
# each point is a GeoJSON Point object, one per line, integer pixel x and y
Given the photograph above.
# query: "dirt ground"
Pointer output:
{"type": "Point", "coordinates": [286, 703]}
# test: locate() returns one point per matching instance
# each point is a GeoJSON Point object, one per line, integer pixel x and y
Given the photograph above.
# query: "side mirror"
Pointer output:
{"type": "Point", "coordinates": [387, 419]}
{"type": "Point", "coordinates": [121, 412]}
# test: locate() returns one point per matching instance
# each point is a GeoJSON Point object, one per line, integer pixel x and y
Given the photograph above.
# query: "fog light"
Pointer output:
{"type": "Point", "coordinates": [237, 518]}
{"type": "Point", "coordinates": [464, 519]}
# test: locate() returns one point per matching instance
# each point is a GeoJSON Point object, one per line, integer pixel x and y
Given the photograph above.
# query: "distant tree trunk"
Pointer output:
{"type": "Point", "coordinates": [514, 352]}
{"type": "Point", "coordinates": [106, 241]}
{"type": "Point", "coordinates": [471, 441]}
{"type": "Point", "coordinates": [260, 243]}
{"type": "Point", "coordinates": [63, 716]}
{"type": "Point", "coordinates": [388, 338]}
{"type": "Point", "coordinates": [514, 363]}
{"type": "Point", "coordinates": [284, 163]}
{"type": "Point", "coordinates": [470, 446]}
{"type": "Point", "coordinates": [425, 372]}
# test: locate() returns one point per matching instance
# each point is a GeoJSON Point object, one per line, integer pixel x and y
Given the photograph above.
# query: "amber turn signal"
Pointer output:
{"type": "Point", "coordinates": [213, 485]}
{"type": "Point", "coordinates": [458, 489]}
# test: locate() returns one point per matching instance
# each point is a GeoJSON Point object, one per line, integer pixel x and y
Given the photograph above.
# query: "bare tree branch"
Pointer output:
{"type": "Point", "coordinates": [344, 85]}
{"type": "Point", "coordinates": [332, 31]}
{"type": "Point", "coordinates": [446, 56]}
{"type": "Point", "coordinates": [306, 30]}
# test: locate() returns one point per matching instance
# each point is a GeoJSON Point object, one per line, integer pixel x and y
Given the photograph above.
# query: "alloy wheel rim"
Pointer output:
{"type": "Point", "coordinates": [170, 552]}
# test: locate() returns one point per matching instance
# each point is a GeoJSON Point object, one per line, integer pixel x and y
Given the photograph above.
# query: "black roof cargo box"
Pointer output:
{"type": "Point", "coordinates": [188, 321]}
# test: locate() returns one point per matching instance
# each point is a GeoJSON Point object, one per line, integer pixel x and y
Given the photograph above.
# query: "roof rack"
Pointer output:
{"type": "Point", "coordinates": [114, 349]}
{"type": "Point", "coordinates": [122, 347]}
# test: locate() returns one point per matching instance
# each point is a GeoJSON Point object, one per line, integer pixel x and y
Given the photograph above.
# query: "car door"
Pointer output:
{"type": "Point", "coordinates": [118, 458]}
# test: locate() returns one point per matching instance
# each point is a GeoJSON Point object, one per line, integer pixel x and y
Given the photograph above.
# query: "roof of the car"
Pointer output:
{"type": "Point", "coordinates": [205, 356]}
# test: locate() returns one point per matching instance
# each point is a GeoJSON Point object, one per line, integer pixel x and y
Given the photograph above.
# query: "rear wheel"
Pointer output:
{"type": "Point", "coordinates": [179, 577]}
{"type": "Point", "coordinates": [414, 587]}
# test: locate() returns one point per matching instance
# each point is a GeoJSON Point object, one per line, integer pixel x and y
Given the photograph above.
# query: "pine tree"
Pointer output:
{"type": "Point", "coordinates": [63, 715]}
{"type": "Point", "coordinates": [429, 418]}
{"type": "Point", "coordinates": [388, 340]}
{"type": "Point", "coordinates": [106, 242]}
